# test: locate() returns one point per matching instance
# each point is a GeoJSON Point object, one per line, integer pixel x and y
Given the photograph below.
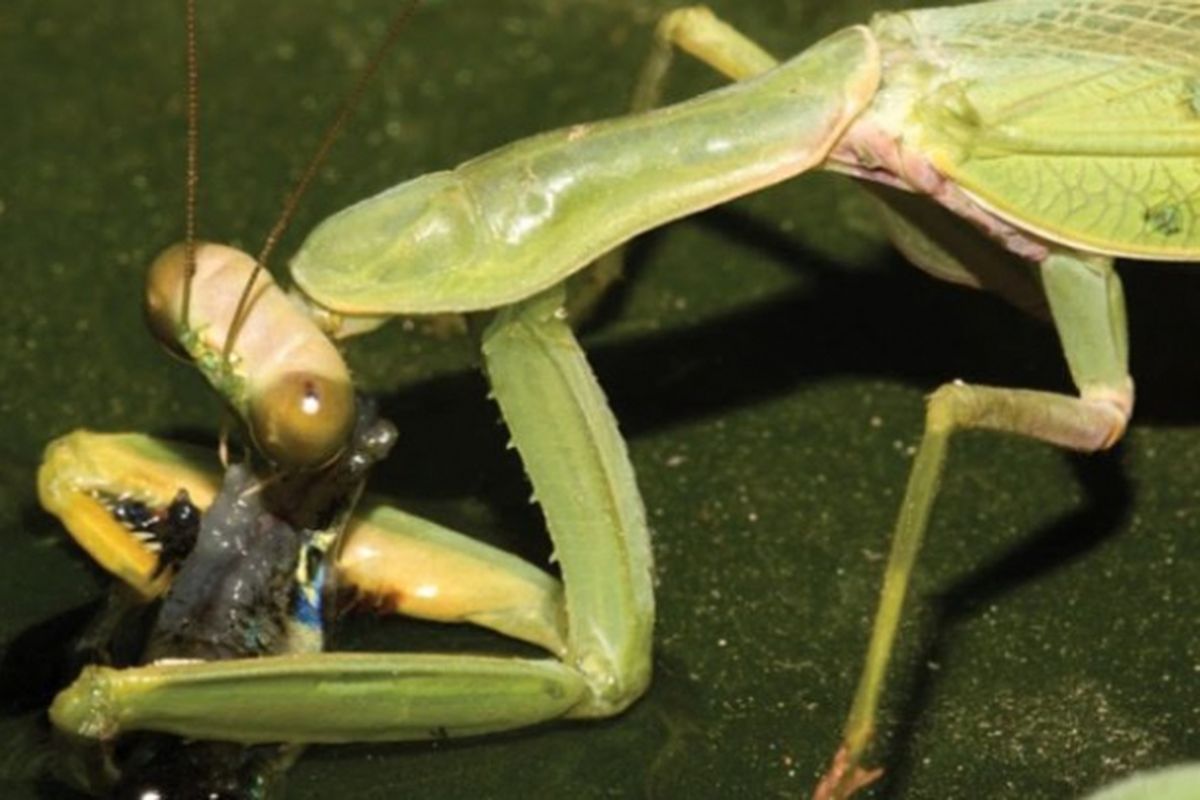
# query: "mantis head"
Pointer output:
{"type": "Point", "coordinates": [271, 363]}
{"type": "Point", "coordinates": [219, 308]}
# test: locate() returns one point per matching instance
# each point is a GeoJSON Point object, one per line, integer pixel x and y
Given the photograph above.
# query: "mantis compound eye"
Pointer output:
{"type": "Point", "coordinates": [302, 419]}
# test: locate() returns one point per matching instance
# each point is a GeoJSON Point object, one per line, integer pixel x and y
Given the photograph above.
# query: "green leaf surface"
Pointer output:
{"type": "Point", "coordinates": [767, 362]}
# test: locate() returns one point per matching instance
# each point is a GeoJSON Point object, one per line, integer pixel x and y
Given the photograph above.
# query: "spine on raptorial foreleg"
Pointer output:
{"type": "Point", "coordinates": [520, 219]}
{"type": "Point", "coordinates": [281, 374]}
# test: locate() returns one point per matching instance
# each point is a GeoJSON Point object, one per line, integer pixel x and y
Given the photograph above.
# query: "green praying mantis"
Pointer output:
{"type": "Point", "coordinates": [836, 104]}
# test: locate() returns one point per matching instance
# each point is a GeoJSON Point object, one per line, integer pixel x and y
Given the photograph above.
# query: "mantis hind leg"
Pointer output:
{"type": "Point", "coordinates": [1087, 306]}
{"type": "Point", "coordinates": [699, 32]}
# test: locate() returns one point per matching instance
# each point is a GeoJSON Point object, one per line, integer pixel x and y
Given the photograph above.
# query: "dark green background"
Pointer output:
{"type": "Point", "coordinates": [767, 361]}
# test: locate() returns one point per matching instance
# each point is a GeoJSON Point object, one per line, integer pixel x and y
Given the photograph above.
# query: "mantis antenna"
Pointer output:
{"type": "Point", "coordinates": [293, 199]}
{"type": "Point", "coordinates": [193, 170]}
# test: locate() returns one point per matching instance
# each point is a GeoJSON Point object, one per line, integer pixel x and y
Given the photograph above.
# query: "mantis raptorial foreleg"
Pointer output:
{"type": "Point", "coordinates": [392, 560]}
{"type": "Point", "coordinates": [581, 475]}
{"type": "Point", "coordinates": [577, 462]}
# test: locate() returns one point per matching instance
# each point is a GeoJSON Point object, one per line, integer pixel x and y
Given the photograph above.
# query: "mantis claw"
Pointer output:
{"type": "Point", "coordinates": [845, 777]}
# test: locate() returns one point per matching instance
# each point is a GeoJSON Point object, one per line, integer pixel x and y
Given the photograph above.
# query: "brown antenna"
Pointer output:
{"type": "Point", "coordinates": [331, 135]}
{"type": "Point", "coordinates": [193, 170]}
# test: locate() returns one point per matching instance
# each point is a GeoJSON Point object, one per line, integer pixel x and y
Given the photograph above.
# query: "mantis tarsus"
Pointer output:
{"type": "Point", "coordinates": [1127, 4]}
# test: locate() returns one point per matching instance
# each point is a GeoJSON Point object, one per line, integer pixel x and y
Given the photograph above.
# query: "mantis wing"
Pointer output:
{"type": "Point", "coordinates": [1076, 119]}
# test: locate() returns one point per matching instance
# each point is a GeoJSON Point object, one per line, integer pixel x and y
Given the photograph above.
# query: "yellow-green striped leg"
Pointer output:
{"type": "Point", "coordinates": [1087, 305]}
{"type": "Point", "coordinates": [581, 475]}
